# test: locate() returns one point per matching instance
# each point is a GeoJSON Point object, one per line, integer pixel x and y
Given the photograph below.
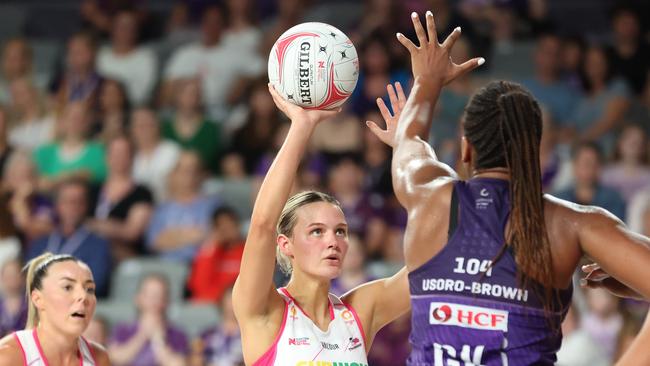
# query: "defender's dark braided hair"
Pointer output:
{"type": "Point", "coordinates": [503, 123]}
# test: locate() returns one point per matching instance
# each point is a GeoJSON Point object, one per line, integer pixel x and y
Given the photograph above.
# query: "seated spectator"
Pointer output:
{"type": "Point", "coordinates": [222, 345]}
{"type": "Point", "coordinates": [73, 155]}
{"type": "Point", "coordinates": [189, 127]}
{"type": "Point", "coordinates": [72, 236]}
{"type": "Point", "coordinates": [123, 207]}
{"type": "Point", "coordinates": [578, 346]}
{"type": "Point", "coordinates": [599, 112]}
{"type": "Point", "coordinates": [603, 321]}
{"type": "Point", "coordinates": [220, 69]}
{"type": "Point", "coordinates": [32, 212]}
{"type": "Point", "coordinates": [546, 85]}
{"type": "Point", "coordinates": [629, 173]}
{"type": "Point", "coordinates": [151, 340]}
{"type": "Point", "coordinates": [154, 157]}
{"type": "Point", "coordinates": [242, 34]}
{"type": "Point", "coordinates": [79, 81]}
{"type": "Point", "coordinates": [255, 136]}
{"type": "Point", "coordinates": [5, 147]}
{"type": "Point", "coordinates": [353, 270]}
{"type": "Point", "coordinates": [638, 212]}
{"type": "Point", "coordinates": [97, 330]}
{"type": "Point", "coordinates": [113, 111]}
{"type": "Point", "coordinates": [587, 188]}
{"type": "Point", "coordinates": [135, 67]}
{"type": "Point", "coordinates": [13, 304]}
{"type": "Point", "coordinates": [16, 64]}
{"type": "Point", "coordinates": [216, 265]}
{"type": "Point", "coordinates": [10, 245]}
{"type": "Point", "coordinates": [180, 224]}
{"type": "Point", "coordinates": [30, 127]}
{"type": "Point", "coordinates": [340, 136]}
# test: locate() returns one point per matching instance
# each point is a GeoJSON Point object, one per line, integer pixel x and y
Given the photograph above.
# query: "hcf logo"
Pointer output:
{"type": "Point", "coordinates": [468, 316]}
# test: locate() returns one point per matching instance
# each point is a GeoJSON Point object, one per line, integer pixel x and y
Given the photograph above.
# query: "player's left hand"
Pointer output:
{"type": "Point", "coordinates": [597, 278]}
{"type": "Point", "coordinates": [397, 103]}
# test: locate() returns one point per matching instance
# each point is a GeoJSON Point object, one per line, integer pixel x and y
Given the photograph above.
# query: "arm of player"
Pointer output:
{"type": "Point", "coordinates": [620, 252]}
{"type": "Point", "coordinates": [254, 292]}
{"type": "Point", "coordinates": [638, 353]}
{"type": "Point", "coordinates": [414, 161]}
{"type": "Point", "coordinates": [379, 302]}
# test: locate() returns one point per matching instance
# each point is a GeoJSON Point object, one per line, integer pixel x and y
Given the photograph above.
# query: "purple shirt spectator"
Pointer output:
{"type": "Point", "coordinates": [222, 349]}
{"type": "Point", "coordinates": [175, 339]}
{"type": "Point", "coordinates": [12, 322]}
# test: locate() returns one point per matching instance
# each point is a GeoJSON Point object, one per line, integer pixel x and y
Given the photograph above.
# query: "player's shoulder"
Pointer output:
{"type": "Point", "coordinates": [99, 353]}
{"type": "Point", "coordinates": [571, 212]}
{"type": "Point", "coordinates": [10, 351]}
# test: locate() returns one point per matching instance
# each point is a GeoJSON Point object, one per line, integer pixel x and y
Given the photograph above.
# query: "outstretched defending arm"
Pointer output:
{"type": "Point", "coordinates": [254, 292]}
{"type": "Point", "coordinates": [414, 161]}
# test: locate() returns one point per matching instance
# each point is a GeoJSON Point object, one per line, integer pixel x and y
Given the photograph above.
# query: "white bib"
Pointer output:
{"type": "Point", "coordinates": [301, 343]}
{"type": "Point", "coordinates": [33, 354]}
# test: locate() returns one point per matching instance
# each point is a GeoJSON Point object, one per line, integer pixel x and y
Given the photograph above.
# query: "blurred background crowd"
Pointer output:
{"type": "Point", "coordinates": [135, 134]}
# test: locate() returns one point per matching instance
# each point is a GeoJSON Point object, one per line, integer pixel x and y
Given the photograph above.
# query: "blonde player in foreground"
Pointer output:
{"type": "Point", "coordinates": [302, 323]}
{"type": "Point", "coordinates": [61, 294]}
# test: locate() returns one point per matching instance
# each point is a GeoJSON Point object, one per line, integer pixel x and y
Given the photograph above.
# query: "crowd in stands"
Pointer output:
{"type": "Point", "coordinates": [151, 132]}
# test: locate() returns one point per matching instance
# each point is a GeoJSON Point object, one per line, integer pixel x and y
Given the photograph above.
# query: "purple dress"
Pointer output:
{"type": "Point", "coordinates": [465, 311]}
{"type": "Point", "coordinates": [174, 337]}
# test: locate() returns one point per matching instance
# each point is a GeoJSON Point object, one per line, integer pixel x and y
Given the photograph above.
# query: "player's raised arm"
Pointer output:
{"type": "Point", "coordinates": [254, 292]}
{"type": "Point", "coordinates": [414, 161]}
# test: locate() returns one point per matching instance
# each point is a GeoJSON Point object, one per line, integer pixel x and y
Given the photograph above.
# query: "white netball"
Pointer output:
{"type": "Point", "coordinates": [314, 65]}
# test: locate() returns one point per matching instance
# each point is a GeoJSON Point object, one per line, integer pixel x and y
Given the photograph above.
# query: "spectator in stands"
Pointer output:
{"type": "Point", "coordinates": [13, 303]}
{"type": "Point", "coordinates": [123, 207]}
{"type": "Point", "coordinates": [391, 346]}
{"type": "Point", "coordinates": [6, 147]}
{"type": "Point", "coordinates": [16, 64]}
{"type": "Point", "coordinates": [179, 29]}
{"type": "Point", "coordinates": [97, 330]}
{"type": "Point", "coordinates": [630, 52]}
{"type": "Point", "coordinates": [134, 66]}
{"type": "Point", "coordinates": [254, 138]}
{"type": "Point", "coordinates": [10, 245]}
{"type": "Point", "coordinates": [222, 345]}
{"type": "Point", "coordinates": [587, 188]}
{"type": "Point", "coordinates": [114, 109]}
{"type": "Point", "coordinates": [221, 68]}
{"type": "Point", "coordinates": [241, 33]}
{"type": "Point", "coordinates": [353, 271]}
{"type": "Point", "coordinates": [72, 236]}
{"type": "Point", "coordinates": [151, 340]}
{"type": "Point", "coordinates": [365, 212]}
{"type": "Point", "coordinates": [32, 212]}
{"type": "Point", "coordinates": [190, 128]}
{"type": "Point", "coordinates": [600, 110]}
{"type": "Point", "coordinates": [573, 54]}
{"type": "Point", "coordinates": [376, 160]}
{"type": "Point", "coordinates": [72, 155]}
{"type": "Point", "coordinates": [579, 348]}
{"type": "Point", "coordinates": [377, 69]}
{"type": "Point", "coordinates": [289, 13]}
{"type": "Point", "coordinates": [179, 225]}
{"type": "Point", "coordinates": [546, 85]}
{"type": "Point", "coordinates": [629, 172]}
{"type": "Point", "coordinates": [603, 320]}
{"type": "Point", "coordinates": [79, 80]}
{"type": "Point", "coordinates": [154, 157]}
{"type": "Point", "coordinates": [30, 127]}
{"type": "Point", "coordinates": [216, 265]}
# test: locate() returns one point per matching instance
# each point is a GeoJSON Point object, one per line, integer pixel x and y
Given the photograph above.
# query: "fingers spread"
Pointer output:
{"type": "Point", "coordinates": [400, 95]}
{"type": "Point", "coordinates": [467, 66]}
{"type": "Point", "coordinates": [393, 98]}
{"type": "Point", "coordinates": [384, 110]}
{"type": "Point", "coordinates": [419, 30]}
{"type": "Point", "coordinates": [410, 46]}
{"type": "Point", "coordinates": [431, 28]}
{"type": "Point", "coordinates": [451, 39]}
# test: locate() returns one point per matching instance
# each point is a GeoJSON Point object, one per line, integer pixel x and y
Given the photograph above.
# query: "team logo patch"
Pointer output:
{"type": "Point", "coordinates": [468, 316]}
{"type": "Point", "coordinates": [354, 343]}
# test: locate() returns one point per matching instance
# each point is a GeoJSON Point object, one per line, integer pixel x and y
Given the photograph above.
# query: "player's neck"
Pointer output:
{"type": "Point", "coordinates": [59, 349]}
{"type": "Point", "coordinates": [312, 295]}
{"type": "Point", "coordinates": [496, 173]}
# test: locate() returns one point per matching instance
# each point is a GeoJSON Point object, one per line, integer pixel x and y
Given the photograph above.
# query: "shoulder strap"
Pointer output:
{"type": "Point", "coordinates": [27, 343]}
{"type": "Point", "coordinates": [87, 357]}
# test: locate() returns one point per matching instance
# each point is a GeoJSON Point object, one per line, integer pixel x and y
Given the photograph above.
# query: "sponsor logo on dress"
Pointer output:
{"type": "Point", "coordinates": [329, 346]}
{"type": "Point", "coordinates": [354, 343]}
{"type": "Point", "coordinates": [468, 316]}
{"type": "Point", "coordinates": [304, 341]}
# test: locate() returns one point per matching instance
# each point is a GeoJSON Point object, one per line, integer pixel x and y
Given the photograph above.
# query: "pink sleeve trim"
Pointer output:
{"type": "Point", "coordinates": [40, 349]}
{"type": "Point", "coordinates": [268, 358]}
{"type": "Point", "coordinates": [22, 350]}
{"type": "Point", "coordinates": [356, 319]}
